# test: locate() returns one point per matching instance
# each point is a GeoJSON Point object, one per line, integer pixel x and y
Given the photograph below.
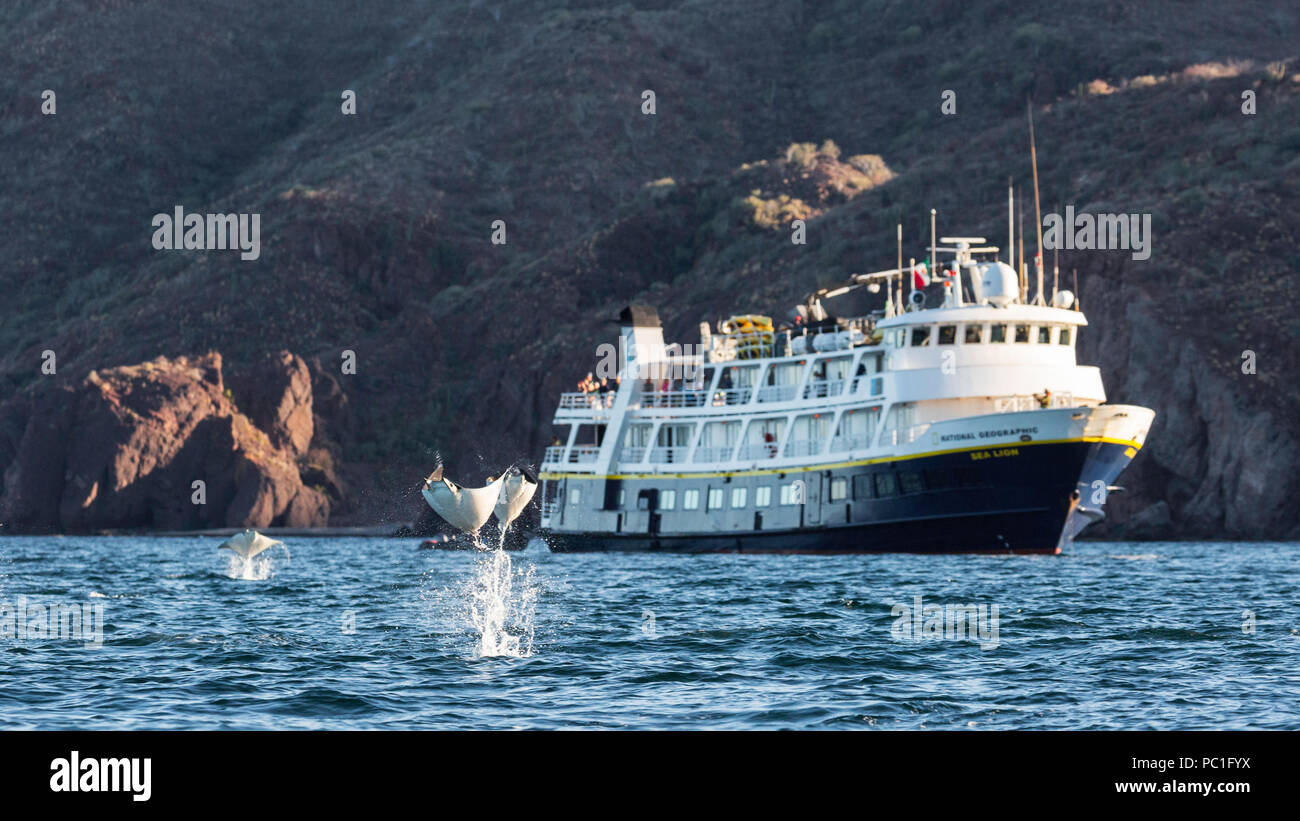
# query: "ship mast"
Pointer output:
{"type": "Point", "coordinates": [1038, 216]}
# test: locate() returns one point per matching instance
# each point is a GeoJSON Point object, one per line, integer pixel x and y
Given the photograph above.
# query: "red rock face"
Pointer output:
{"type": "Point", "coordinates": [124, 447]}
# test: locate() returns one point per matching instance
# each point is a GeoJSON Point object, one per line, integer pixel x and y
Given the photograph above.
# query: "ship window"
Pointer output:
{"type": "Point", "coordinates": [839, 489]}
{"type": "Point", "coordinates": [715, 499]}
{"type": "Point", "coordinates": [1064, 338]}
{"type": "Point", "coordinates": [622, 497]}
{"type": "Point", "coordinates": [1044, 335]}
{"type": "Point", "coordinates": [690, 500]}
{"type": "Point", "coordinates": [921, 336]}
{"type": "Point", "coordinates": [575, 495]}
{"type": "Point", "coordinates": [762, 496]}
{"type": "Point", "coordinates": [973, 334]}
{"type": "Point", "coordinates": [900, 337]}
{"type": "Point", "coordinates": [862, 486]}
{"type": "Point", "coordinates": [997, 333]}
{"type": "Point", "coordinates": [792, 494]}
{"type": "Point", "coordinates": [667, 499]}
{"type": "Point", "coordinates": [1022, 333]}
{"type": "Point", "coordinates": [739, 496]}
{"type": "Point", "coordinates": [947, 334]}
{"type": "Point", "coordinates": [910, 481]}
{"type": "Point", "coordinates": [886, 484]}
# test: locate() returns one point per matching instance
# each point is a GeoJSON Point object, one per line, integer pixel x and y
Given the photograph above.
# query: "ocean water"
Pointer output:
{"type": "Point", "coordinates": [373, 633]}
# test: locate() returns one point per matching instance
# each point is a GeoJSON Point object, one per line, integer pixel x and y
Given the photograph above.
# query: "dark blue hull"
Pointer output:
{"type": "Point", "coordinates": [1026, 498]}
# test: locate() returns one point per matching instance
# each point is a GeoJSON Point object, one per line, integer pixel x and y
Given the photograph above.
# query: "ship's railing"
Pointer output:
{"type": "Point", "coordinates": [721, 453]}
{"type": "Point", "coordinates": [824, 388]}
{"type": "Point", "coordinates": [762, 450]}
{"type": "Point", "coordinates": [578, 455]}
{"type": "Point", "coordinates": [777, 393]}
{"type": "Point", "coordinates": [629, 455]}
{"type": "Point", "coordinates": [576, 400]}
{"type": "Point", "coordinates": [903, 436]}
{"type": "Point", "coordinates": [1012, 404]}
{"type": "Point", "coordinates": [875, 384]}
{"type": "Point", "coordinates": [689, 398]}
{"type": "Point", "coordinates": [549, 508]}
{"type": "Point", "coordinates": [668, 455]}
{"type": "Point", "coordinates": [804, 447]}
{"type": "Point", "coordinates": [841, 443]}
{"type": "Point", "coordinates": [670, 399]}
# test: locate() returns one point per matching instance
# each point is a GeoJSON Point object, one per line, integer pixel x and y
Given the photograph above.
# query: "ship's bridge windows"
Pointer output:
{"type": "Point", "coordinates": [690, 500]}
{"type": "Point", "coordinates": [762, 496]}
{"type": "Point", "coordinates": [947, 334]}
{"type": "Point", "coordinates": [898, 337]}
{"type": "Point", "coordinates": [920, 336]}
{"type": "Point", "coordinates": [974, 334]}
{"type": "Point", "coordinates": [856, 429]}
{"type": "Point", "coordinates": [761, 438]}
{"type": "Point", "coordinates": [739, 496]}
{"type": "Point", "coordinates": [717, 441]}
{"type": "Point", "coordinates": [998, 332]}
{"type": "Point", "coordinates": [1022, 333]}
{"type": "Point", "coordinates": [1044, 335]}
{"type": "Point", "coordinates": [808, 434]}
{"type": "Point", "coordinates": [1063, 337]}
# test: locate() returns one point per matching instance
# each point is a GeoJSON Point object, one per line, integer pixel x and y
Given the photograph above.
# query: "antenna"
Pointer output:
{"type": "Point", "coordinates": [1011, 223]}
{"type": "Point", "coordinates": [1038, 216]}
{"type": "Point", "coordinates": [1077, 307]}
{"type": "Point", "coordinates": [934, 261]}
{"type": "Point", "coordinates": [1020, 272]}
{"type": "Point", "coordinates": [1056, 269]}
{"type": "Point", "coordinates": [900, 263]}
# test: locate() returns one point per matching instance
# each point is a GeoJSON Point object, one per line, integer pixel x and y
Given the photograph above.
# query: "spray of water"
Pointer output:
{"type": "Point", "coordinates": [501, 604]}
{"type": "Point", "coordinates": [257, 568]}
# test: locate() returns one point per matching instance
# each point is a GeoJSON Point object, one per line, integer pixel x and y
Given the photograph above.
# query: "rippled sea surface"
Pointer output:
{"type": "Point", "coordinates": [373, 633]}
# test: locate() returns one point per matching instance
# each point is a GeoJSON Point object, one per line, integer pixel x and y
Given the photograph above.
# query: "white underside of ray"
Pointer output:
{"type": "Point", "coordinates": [249, 543]}
{"type": "Point", "coordinates": [465, 508]}
{"type": "Point", "coordinates": [515, 495]}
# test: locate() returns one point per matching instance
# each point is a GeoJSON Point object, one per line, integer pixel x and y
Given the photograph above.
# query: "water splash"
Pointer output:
{"type": "Point", "coordinates": [502, 607]}
{"type": "Point", "coordinates": [257, 568]}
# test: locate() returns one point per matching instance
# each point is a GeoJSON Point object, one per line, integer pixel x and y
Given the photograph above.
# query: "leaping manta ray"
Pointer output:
{"type": "Point", "coordinates": [468, 509]}
{"type": "Point", "coordinates": [463, 507]}
{"type": "Point", "coordinates": [249, 543]}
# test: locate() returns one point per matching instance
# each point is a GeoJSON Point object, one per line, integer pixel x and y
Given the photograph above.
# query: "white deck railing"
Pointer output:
{"type": "Point", "coordinates": [668, 455]}
{"type": "Point", "coordinates": [1013, 404]}
{"type": "Point", "coordinates": [577, 400]}
{"type": "Point", "coordinates": [578, 455]}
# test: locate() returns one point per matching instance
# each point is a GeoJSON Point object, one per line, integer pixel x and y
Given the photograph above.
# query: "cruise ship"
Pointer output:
{"type": "Point", "coordinates": [952, 419]}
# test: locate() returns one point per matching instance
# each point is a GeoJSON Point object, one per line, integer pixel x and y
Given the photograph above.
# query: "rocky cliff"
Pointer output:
{"type": "Point", "coordinates": [160, 445]}
{"type": "Point", "coordinates": [421, 335]}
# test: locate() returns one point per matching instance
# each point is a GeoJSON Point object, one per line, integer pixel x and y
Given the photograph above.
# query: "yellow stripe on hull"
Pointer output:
{"type": "Point", "coordinates": [833, 465]}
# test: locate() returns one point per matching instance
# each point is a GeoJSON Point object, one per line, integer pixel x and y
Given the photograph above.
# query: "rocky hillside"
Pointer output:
{"type": "Point", "coordinates": [376, 228]}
